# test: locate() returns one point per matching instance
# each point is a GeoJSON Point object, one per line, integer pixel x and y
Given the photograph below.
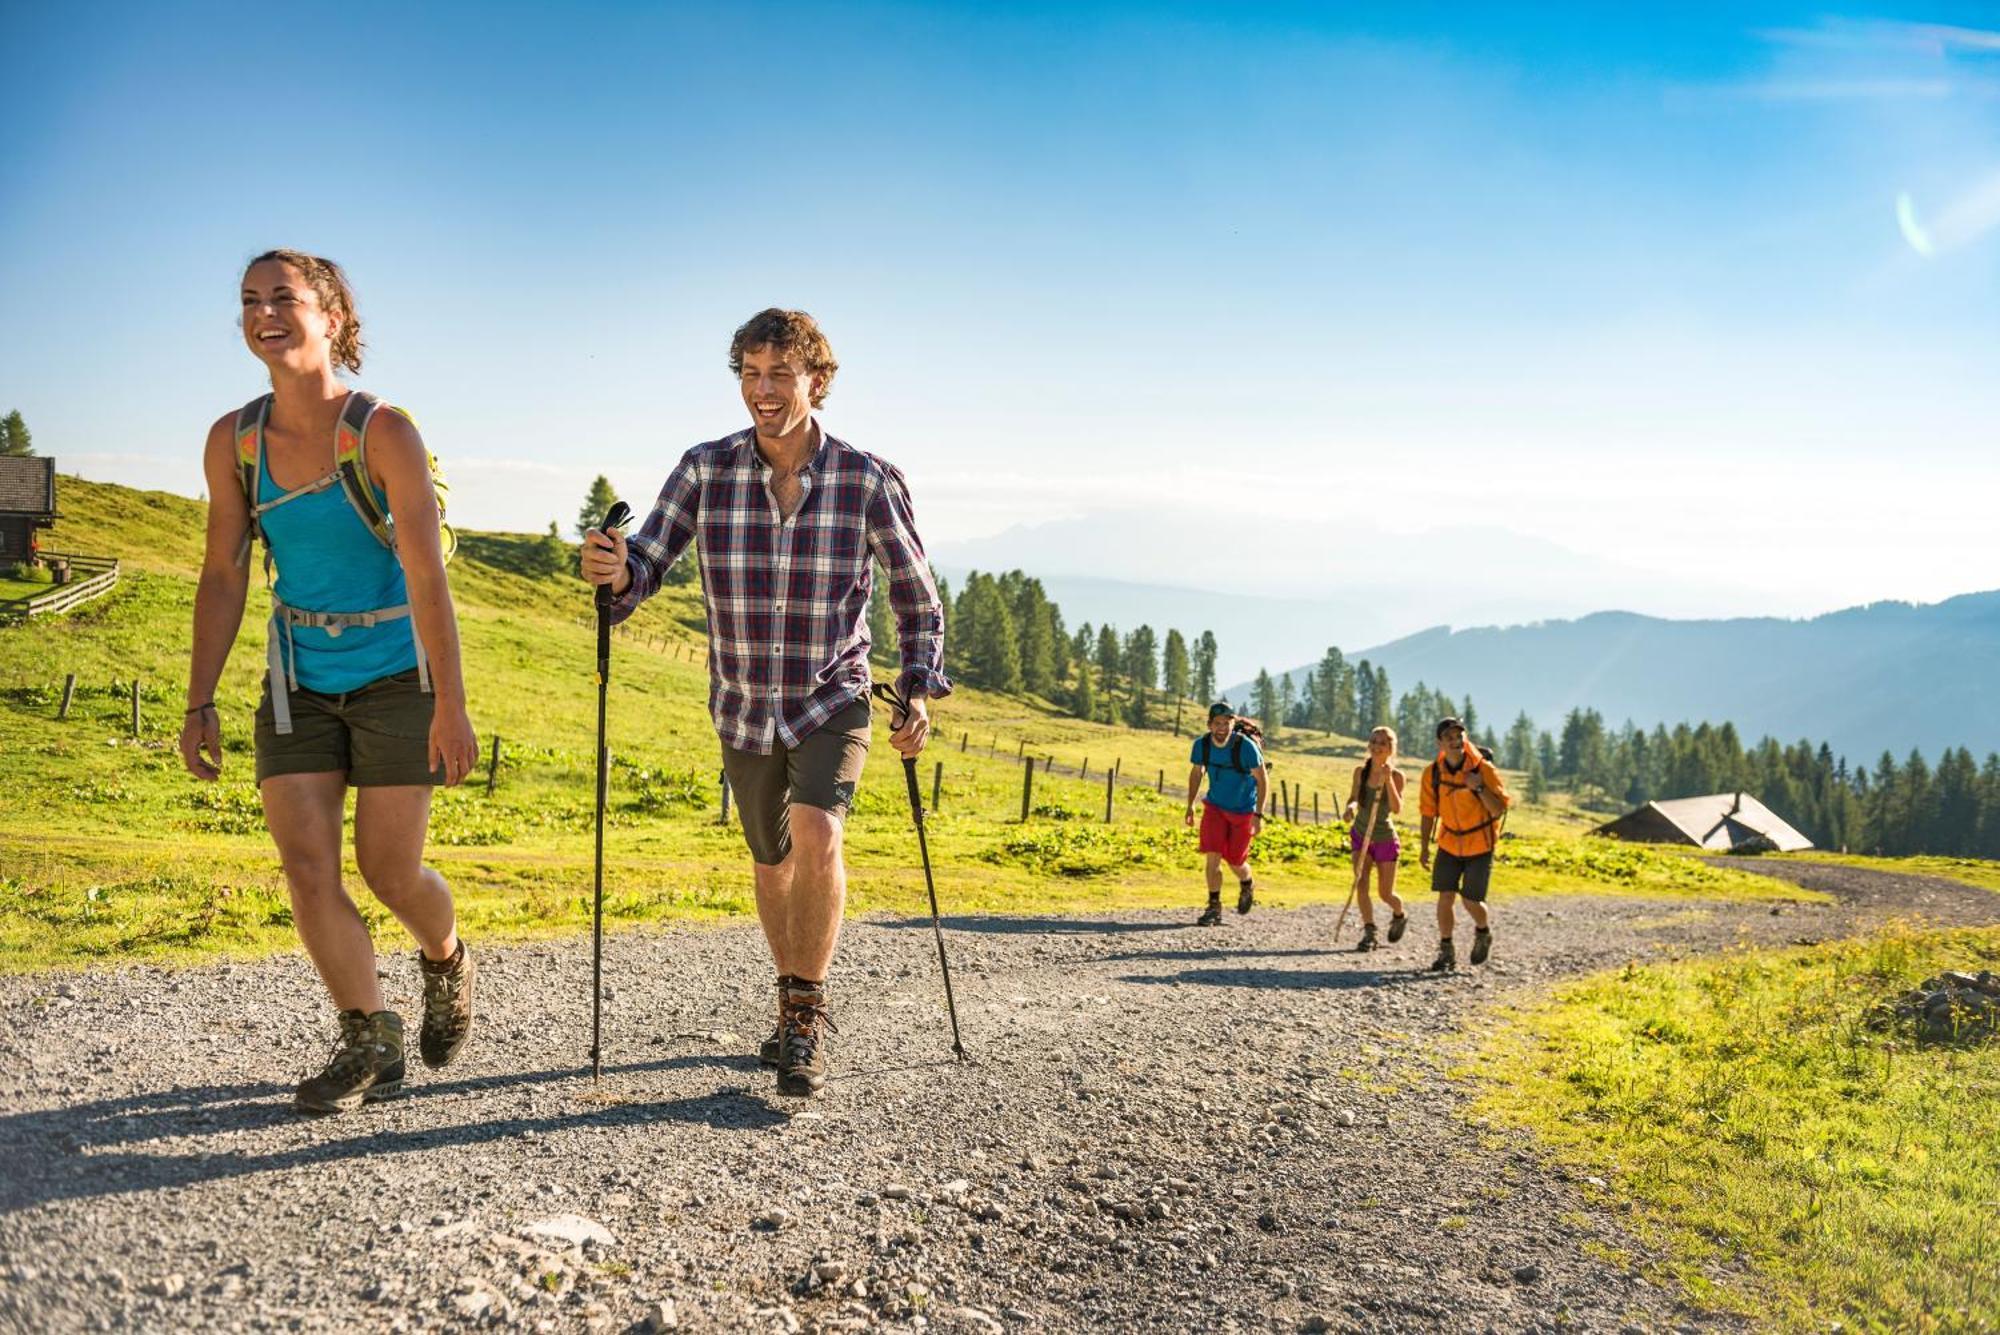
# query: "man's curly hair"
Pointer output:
{"type": "Point", "coordinates": [792, 334]}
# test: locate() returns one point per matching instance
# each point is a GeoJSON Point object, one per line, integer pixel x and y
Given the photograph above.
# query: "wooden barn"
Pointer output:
{"type": "Point", "coordinates": [27, 503]}
{"type": "Point", "coordinates": [1720, 822]}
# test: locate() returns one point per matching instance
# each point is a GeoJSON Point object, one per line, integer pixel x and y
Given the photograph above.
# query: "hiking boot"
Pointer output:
{"type": "Point", "coordinates": [1212, 915]}
{"type": "Point", "coordinates": [1482, 944]}
{"type": "Point", "coordinates": [1367, 941]}
{"type": "Point", "coordinates": [768, 1051]}
{"type": "Point", "coordinates": [368, 1065]}
{"type": "Point", "coordinates": [802, 1050]}
{"type": "Point", "coordinates": [1244, 897]}
{"type": "Point", "coordinates": [447, 1006]}
{"type": "Point", "coordinates": [1447, 959]}
{"type": "Point", "coordinates": [1397, 926]}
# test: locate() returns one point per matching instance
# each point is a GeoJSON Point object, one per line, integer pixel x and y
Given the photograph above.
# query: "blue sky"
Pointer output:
{"type": "Point", "coordinates": [1612, 302]}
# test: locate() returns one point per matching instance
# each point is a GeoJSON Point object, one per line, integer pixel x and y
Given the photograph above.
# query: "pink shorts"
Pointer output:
{"type": "Point", "coordinates": [1382, 850]}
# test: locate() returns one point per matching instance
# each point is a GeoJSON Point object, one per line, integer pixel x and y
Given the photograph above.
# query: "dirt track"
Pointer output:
{"type": "Point", "coordinates": [1162, 1128]}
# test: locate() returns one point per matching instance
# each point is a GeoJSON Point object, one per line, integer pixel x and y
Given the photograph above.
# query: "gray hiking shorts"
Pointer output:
{"type": "Point", "coordinates": [821, 771]}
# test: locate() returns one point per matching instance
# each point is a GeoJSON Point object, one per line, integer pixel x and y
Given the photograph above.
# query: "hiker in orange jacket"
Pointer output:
{"type": "Point", "coordinates": [1463, 801]}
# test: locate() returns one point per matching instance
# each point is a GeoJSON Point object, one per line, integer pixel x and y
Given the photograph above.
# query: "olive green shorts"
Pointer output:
{"type": "Point", "coordinates": [378, 736]}
{"type": "Point", "coordinates": [821, 771]}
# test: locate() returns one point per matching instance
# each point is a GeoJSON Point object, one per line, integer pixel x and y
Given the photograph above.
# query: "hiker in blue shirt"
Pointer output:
{"type": "Point", "coordinates": [1229, 755]}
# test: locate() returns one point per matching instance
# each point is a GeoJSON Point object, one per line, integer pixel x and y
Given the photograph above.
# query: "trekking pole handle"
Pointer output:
{"type": "Point", "coordinates": [619, 515]}
{"type": "Point", "coordinates": [883, 691]}
{"type": "Point", "coordinates": [616, 517]}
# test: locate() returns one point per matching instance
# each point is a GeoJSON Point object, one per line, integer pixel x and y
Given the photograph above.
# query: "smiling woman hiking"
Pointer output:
{"type": "Point", "coordinates": [364, 688]}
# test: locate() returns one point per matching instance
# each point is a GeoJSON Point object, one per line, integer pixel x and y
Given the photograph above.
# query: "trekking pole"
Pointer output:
{"type": "Point", "coordinates": [1360, 860]}
{"type": "Point", "coordinates": [886, 692]}
{"type": "Point", "coordinates": [613, 518]}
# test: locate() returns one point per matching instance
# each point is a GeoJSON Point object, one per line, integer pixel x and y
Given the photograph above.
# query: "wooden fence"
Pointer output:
{"type": "Point", "coordinates": [100, 576]}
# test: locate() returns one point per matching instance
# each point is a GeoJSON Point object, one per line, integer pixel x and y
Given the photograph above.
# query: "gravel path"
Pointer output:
{"type": "Point", "coordinates": [1162, 1128]}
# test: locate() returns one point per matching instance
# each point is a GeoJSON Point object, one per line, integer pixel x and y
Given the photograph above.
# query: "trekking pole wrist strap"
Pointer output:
{"type": "Point", "coordinates": [196, 709]}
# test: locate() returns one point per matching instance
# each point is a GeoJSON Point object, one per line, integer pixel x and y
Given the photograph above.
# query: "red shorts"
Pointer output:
{"type": "Point", "coordinates": [1226, 832]}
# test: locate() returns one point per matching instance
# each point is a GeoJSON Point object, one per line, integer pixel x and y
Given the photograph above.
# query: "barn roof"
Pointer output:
{"type": "Point", "coordinates": [27, 484]}
{"type": "Point", "coordinates": [1718, 821]}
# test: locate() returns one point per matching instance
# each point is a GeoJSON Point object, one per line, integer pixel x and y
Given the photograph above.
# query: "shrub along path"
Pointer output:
{"type": "Point", "coordinates": [1162, 1127]}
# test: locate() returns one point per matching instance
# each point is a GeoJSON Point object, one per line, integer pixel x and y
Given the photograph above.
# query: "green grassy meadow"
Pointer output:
{"type": "Point", "coordinates": [1795, 1164]}
{"type": "Point", "coordinates": [110, 851]}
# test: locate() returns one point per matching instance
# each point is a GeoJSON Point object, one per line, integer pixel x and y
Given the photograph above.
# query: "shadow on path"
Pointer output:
{"type": "Point", "coordinates": [1288, 980]}
{"type": "Point", "coordinates": [49, 1160]}
{"type": "Point", "coordinates": [1036, 926]}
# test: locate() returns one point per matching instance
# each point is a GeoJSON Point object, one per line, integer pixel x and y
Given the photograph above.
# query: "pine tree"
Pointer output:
{"type": "Point", "coordinates": [1518, 748]}
{"type": "Point", "coordinates": [995, 651]}
{"type": "Point", "coordinates": [1110, 658]}
{"type": "Point", "coordinates": [14, 436]}
{"type": "Point", "coordinates": [595, 505]}
{"type": "Point", "coordinates": [1382, 698]}
{"type": "Point", "coordinates": [1083, 699]}
{"type": "Point", "coordinates": [1264, 700]}
{"type": "Point", "coordinates": [1174, 669]}
{"type": "Point", "coordinates": [1204, 668]}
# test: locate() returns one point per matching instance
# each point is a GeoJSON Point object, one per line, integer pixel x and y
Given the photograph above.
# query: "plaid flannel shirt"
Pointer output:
{"type": "Point", "coordinates": [788, 598]}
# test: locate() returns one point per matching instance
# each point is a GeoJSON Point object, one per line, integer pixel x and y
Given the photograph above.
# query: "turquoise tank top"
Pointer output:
{"type": "Point", "coordinates": [328, 561]}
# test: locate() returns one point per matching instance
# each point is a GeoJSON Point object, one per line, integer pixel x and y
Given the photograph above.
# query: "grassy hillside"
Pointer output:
{"type": "Point", "coordinates": [1794, 1163]}
{"type": "Point", "coordinates": [108, 850]}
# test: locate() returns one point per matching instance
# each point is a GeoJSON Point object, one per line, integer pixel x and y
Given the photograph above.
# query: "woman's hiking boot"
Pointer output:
{"type": "Point", "coordinates": [1367, 941]}
{"type": "Point", "coordinates": [1397, 926]}
{"type": "Point", "coordinates": [1245, 897]}
{"type": "Point", "coordinates": [1447, 959]}
{"type": "Point", "coordinates": [803, 1026]}
{"type": "Point", "coordinates": [1482, 944]}
{"type": "Point", "coordinates": [368, 1065]}
{"type": "Point", "coordinates": [1212, 915]}
{"type": "Point", "coordinates": [447, 1006]}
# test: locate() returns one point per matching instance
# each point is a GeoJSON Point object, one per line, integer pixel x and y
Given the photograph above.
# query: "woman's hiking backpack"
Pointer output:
{"type": "Point", "coordinates": [350, 471]}
{"type": "Point", "coordinates": [350, 474]}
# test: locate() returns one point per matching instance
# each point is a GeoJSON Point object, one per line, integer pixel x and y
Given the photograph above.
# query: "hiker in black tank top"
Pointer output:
{"type": "Point", "coordinates": [1374, 798]}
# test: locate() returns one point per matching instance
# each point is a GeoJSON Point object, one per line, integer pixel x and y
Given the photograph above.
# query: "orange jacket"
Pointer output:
{"type": "Point", "coordinates": [1464, 828]}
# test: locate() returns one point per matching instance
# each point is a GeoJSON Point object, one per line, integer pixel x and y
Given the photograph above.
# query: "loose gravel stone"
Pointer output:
{"type": "Point", "coordinates": [1078, 1187]}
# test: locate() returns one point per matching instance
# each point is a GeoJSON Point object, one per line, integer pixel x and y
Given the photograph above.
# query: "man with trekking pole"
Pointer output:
{"type": "Point", "coordinates": [788, 523]}
{"type": "Point", "coordinates": [1463, 802]}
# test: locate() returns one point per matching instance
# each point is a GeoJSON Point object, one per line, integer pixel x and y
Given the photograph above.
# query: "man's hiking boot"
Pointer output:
{"type": "Point", "coordinates": [1397, 925]}
{"type": "Point", "coordinates": [447, 1006]}
{"type": "Point", "coordinates": [803, 1028]}
{"type": "Point", "coordinates": [1447, 959]}
{"type": "Point", "coordinates": [1212, 915]}
{"type": "Point", "coordinates": [1245, 897]}
{"type": "Point", "coordinates": [768, 1051]}
{"type": "Point", "coordinates": [1367, 941]}
{"type": "Point", "coordinates": [368, 1065]}
{"type": "Point", "coordinates": [1482, 944]}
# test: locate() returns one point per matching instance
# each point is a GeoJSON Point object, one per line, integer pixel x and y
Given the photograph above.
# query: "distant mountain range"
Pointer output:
{"type": "Point", "coordinates": [1887, 676]}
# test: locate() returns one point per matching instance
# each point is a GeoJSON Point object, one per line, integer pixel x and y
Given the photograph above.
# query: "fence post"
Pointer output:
{"type": "Point", "coordinates": [1315, 806]}
{"type": "Point", "coordinates": [1022, 750]}
{"type": "Point", "coordinates": [493, 765]}
{"type": "Point", "coordinates": [135, 706]}
{"type": "Point", "coordinates": [1027, 790]}
{"type": "Point", "coordinates": [1084, 773]}
{"type": "Point", "coordinates": [937, 784]}
{"type": "Point", "coordinates": [1163, 782]}
{"type": "Point", "coordinates": [963, 738]}
{"type": "Point", "coordinates": [69, 694]}
{"type": "Point", "coordinates": [1110, 778]}
{"type": "Point", "coordinates": [724, 818]}
{"type": "Point", "coordinates": [1049, 765]}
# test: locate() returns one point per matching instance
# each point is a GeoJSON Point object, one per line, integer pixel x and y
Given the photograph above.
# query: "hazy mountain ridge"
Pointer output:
{"type": "Point", "coordinates": [1883, 676]}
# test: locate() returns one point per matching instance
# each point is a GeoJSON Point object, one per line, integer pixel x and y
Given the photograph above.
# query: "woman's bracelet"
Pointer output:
{"type": "Point", "coordinates": [209, 704]}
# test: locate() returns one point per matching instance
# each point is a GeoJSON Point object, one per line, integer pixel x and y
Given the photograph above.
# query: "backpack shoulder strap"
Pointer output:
{"type": "Point", "coordinates": [1236, 754]}
{"type": "Point", "coordinates": [350, 459]}
{"type": "Point", "coordinates": [250, 419]}
{"type": "Point", "coordinates": [1207, 751]}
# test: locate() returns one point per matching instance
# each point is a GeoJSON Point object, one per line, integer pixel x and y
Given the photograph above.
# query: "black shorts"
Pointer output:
{"type": "Point", "coordinates": [1452, 874]}
{"type": "Point", "coordinates": [821, 771]}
